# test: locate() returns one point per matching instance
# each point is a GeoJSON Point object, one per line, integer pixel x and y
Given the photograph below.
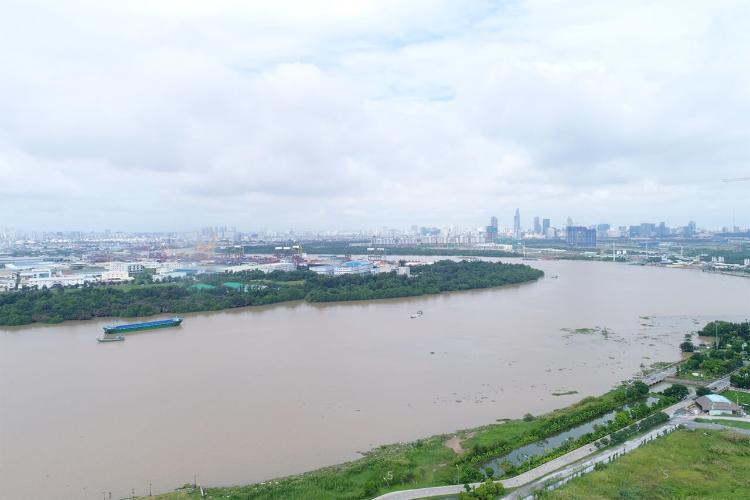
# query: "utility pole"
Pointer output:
{"type": "Point", "coordinates": [716, 333]}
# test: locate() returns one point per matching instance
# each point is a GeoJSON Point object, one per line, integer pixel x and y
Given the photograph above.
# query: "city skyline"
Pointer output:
{"type": "Point", "coordinates": [658, 227]}
{"type": "Point", "coordinates": [161, 117]}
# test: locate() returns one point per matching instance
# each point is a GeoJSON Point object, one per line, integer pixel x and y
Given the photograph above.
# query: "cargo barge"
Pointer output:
{"type": "Point", "coordinates": [148, 325]}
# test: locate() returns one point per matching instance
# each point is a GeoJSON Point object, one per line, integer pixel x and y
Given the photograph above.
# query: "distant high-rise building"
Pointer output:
{"type": "Point", "coordinates": [537, 226]}
{"type": "Point", "coordinates": [493, 221]}
{"type": "Point", "coordinates": [648, 229]}
{"type": "Point", "coordinates": [491, 234]}
{"type": "Point", "coordinates": [601, 231]}
{"type": "Point", "coordinates": [690, 229]}
{"type": "Point", "coordinates": [570, 222]}
{"type": "Point", "coordinates": [545, 226]}
{"type": "Point", "coordinates": [579, 236]}
{"type": "Point", "coordinates": [517, 224]}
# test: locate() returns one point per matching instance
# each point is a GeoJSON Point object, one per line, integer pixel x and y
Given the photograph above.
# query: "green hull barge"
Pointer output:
{"type": "Point", "coordinates": [148, 325]}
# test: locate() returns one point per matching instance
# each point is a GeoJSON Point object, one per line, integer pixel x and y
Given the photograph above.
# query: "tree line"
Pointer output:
{"type": "Point", "coordinates": [54, 306]}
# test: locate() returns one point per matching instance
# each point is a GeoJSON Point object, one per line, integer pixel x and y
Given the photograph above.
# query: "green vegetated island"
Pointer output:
{"type": "Point", "coordinates": [223, 291]}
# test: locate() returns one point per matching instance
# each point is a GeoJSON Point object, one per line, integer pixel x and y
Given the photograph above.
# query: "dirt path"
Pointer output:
{"type": "Point", "coordinates": [454, 443]}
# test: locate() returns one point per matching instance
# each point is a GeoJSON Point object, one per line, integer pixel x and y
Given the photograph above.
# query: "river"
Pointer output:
{"type": "Point", "coordinates": [247, 395]}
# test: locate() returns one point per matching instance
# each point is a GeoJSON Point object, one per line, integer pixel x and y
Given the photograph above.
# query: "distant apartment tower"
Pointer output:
{"type": "Point", "coordinates": [601, 231]}
{"type": "Point", "coordinates": [491, 231]}
{"type": "Point", "coordinates": [582, 237]}
{"type": "Point", "coordinates": [537, 226]}
{"type": "Point", "coordinates": [490, 234]}
{"type": "Point", "coordinates": [545, 226]}
{"type": "Point", "coordinates": [690, 229]}
{"type": "Point", "coordinates": [648, 229]}
{"type": "Point", "coordinates": [517, 224]}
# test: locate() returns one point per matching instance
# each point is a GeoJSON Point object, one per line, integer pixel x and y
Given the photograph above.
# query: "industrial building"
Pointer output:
{"type": "Point", "coordinates": [716, 405]}
{"type": "Point", "coordinates": [353, 267]}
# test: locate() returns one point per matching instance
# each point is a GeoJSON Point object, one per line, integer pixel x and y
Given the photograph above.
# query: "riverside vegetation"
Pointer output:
{"type": "Point", "coordinates": [727, 350]}
{"type": "Point", "coordinates": [224, 291]}
{"type": "Point", "coordinates": [429, 462]}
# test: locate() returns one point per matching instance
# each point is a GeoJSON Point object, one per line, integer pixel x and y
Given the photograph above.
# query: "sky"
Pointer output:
{"type": "Point", "coordinates": [172, 115]}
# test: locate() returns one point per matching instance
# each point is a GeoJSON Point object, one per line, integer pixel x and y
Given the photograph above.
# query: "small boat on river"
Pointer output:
{"type": "Point", "coordinates": [416, 315]}
{"type": "Point", "coordinates": [119, 338]}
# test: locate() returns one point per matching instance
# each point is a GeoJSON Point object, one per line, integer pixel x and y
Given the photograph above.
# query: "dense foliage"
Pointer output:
{"type": "Point", "coordinates": [733, 336]}
{"type": "Point", "coordinates": [442, 276]}
{"type": "Point", "coordinates": [488, 490]}
{"type": "Point", "coordinates": [741, 378]}
{"type": "Point", "coordinates": [676, 391]}
{"type": "Point", "coordinates": [223, 291]}
{"type": "Point", "coordinates": [713, 363]}
{"type": "Point", "coordinates": [687, 346]}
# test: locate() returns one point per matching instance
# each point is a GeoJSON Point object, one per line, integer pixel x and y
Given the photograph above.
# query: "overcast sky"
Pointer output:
{"type": "Point", "coordinates": [161, 115]}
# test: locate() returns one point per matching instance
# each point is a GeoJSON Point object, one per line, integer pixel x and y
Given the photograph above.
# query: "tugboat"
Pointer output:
{"type": "Point", "coordinates": [416, 315]}
{"type": "Point", "coordinates": [119, 338]}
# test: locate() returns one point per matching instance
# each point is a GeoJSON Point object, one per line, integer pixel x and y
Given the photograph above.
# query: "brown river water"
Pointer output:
{"type": "Point", "coordinates": [247, 395]}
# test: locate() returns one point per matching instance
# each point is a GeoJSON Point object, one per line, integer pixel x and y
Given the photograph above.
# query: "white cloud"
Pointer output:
{"type": "Point", "coordinates": [158, 115]}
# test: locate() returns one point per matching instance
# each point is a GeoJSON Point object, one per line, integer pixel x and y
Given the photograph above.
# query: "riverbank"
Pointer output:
{"type": "Point", "coordinates": [442, 459]}
{"type": "Point", "coordinates": [225, 291]}
{"type": "Point", "coordinates": [684, 464]}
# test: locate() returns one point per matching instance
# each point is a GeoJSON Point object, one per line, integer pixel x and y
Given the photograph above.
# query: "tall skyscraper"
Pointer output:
{"type": "Point", "coordinates": [537, 226]}
{"type": "Point", "coordinates": [493, 221]}
{"type": "Point", "coordinates": [545, 226]}
{"type": "Point", "coordinates": [517, 224]}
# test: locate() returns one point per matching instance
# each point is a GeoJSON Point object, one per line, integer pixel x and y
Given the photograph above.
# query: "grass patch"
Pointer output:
{"type": "Point", "coordinates": [741, 398]}
{"type": "Point", "coordinates": [586, 331]}
{"type": "Point", "coordinates": [699, 464]}
{"type": "Point", "coordinates": [722, 421]}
